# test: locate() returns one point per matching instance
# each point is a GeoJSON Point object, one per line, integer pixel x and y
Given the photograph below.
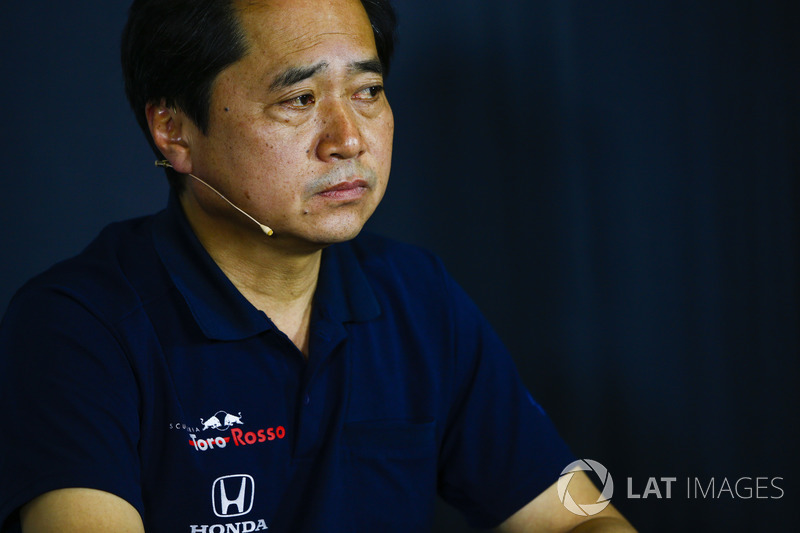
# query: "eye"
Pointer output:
{"type": "Point", "coordinates": [370, 93]}
{"type": "Point", "coordinates": [300, 102]}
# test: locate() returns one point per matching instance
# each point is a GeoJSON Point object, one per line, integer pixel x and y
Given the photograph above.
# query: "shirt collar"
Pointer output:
{"type": "Point", "coordinates": [343, 292]}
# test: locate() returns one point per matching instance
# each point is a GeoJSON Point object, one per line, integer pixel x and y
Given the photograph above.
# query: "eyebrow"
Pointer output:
{"type": "Point", "coordinates": [293, 75]}
{"type": "Point", "coordinates": [373, 66]}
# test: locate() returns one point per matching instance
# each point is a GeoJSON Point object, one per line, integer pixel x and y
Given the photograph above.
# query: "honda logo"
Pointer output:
{"type": "Point", "coordinates": [233, 495]}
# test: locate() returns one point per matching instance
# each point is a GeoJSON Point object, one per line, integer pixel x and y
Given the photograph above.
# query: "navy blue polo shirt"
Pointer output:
{"type": "Point", "coordinates": [137, 368]}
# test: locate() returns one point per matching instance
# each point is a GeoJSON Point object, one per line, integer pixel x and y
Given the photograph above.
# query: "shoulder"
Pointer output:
{"type": "Point", "coordinates": [105, 278]}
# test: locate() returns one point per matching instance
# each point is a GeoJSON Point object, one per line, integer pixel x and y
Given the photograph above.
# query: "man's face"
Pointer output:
{"type": "Point", "coordinates": [300, 131]}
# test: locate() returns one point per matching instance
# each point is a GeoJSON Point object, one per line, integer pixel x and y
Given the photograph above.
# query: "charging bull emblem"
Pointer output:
{"type": "Point", "coordinates": [221, 421]}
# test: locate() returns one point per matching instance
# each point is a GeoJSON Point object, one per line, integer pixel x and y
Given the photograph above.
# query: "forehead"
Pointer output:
{"type": "Point", "coordinates": [290, 31]}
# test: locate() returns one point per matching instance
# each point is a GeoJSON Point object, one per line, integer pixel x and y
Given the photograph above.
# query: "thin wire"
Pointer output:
{"type": "Point", "coordinates": [265, 229]}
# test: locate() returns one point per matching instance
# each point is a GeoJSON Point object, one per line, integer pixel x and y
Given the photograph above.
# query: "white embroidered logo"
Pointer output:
{"type": "Point", "coordinates": [221, 421]}
{"type": "Point", "coordinates": [233, 495]}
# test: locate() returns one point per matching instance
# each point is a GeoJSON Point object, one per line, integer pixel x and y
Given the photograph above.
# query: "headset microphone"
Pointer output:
{"type": "Point", "coordinates": [265, 229]}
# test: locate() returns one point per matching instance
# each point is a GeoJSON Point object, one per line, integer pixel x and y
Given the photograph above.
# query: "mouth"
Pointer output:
{"type": "Point", "coordinates": [346, 190]}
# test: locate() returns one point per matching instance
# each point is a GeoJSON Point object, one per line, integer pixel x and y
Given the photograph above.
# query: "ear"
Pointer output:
{"type": "Point", "coordinates": [169, 128]}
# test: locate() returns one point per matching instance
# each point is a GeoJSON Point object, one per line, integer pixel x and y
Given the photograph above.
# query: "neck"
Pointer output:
{"type": "Point", "coordinates": [276, 279]}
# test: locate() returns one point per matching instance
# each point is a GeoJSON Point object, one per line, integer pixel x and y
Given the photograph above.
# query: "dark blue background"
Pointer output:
{"type": "Point", "coordinates": [616, 184]}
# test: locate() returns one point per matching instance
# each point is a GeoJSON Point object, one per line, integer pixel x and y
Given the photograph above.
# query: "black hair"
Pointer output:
{"type": "Point", "coordinates": [173, 50]}
{"type": "Point", "coordinates": [384, 23]}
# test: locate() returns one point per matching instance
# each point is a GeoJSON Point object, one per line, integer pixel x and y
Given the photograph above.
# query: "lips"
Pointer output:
{"type": "Point", "coordinates": [346, 190]}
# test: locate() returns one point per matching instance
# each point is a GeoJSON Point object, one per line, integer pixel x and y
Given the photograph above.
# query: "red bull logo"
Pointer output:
{"type": "Point", "coordinates": [223, 421]}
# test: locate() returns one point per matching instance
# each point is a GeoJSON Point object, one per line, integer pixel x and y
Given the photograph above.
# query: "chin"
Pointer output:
{"type": "Point", "coordinates": [338, 228]}
{"type": "Point", "coordinates": [340, 235]}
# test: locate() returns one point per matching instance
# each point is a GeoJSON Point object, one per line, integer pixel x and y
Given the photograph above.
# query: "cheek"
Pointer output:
{"type": "Point", "coordinates": [381, 141]}
{"type": "Point", "coordinates": [388, 125]}
{"type": "Point", "coordinates": [389, 140]}
{"type": "Point", "coordinates": [274, 157]}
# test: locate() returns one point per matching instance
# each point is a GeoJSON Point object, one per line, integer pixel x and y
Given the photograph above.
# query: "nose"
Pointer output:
{"type": "Point", "coordinates": [339, 136]}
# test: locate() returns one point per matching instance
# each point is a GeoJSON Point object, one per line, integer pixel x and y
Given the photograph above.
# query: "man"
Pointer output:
{"type": "Point", "coordinates": [189, 372]}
